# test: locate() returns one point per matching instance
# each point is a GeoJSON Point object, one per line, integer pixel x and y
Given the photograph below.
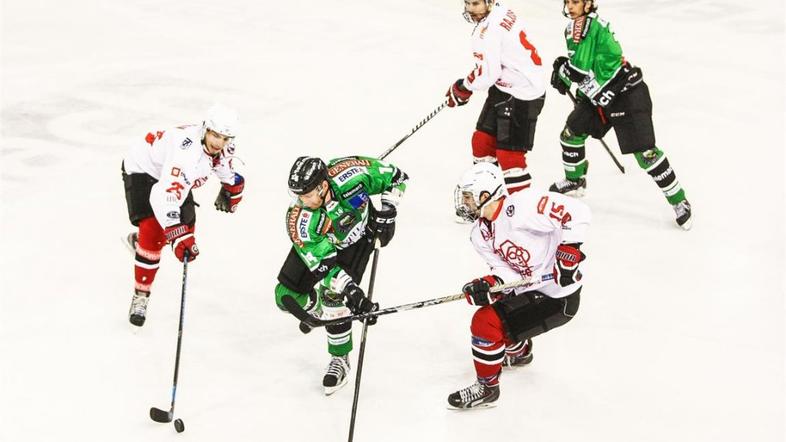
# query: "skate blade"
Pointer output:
{"type": "Point", "coordinates": [476, 407]}
{"type": "Point", "coordinates": [128, 247]}
{"type": "Point", "coordinates": [578, 193]}
{"type": "Point", "coordinates": [687, 224]}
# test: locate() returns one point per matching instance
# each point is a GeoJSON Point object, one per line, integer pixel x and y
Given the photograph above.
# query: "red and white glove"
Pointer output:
{"type": "Point", "coordinates": [458, 95]}
{"type": "Point", "coordinates": [566, 269]}
{"type": "Point", "coordinates": [477, 291]}
{"type": "Point", "coordinates": [229, 195]}
{"type": "Point", "coordinates": [181, 237]}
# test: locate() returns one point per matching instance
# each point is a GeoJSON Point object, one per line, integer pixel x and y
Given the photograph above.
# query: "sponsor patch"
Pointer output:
{"type": "Point", "coordinates": [510, 210]}
{"type": "Point", "coordinates": [173, 215]}
{"type": "Point", "coordinates": [346, 164]}
{"type": "Point", "coordinates": [292, 218]}
{"type": "Point", "coordinates": [187, 142]}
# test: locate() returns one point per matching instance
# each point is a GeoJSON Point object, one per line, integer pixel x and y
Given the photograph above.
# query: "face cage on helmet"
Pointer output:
{"type": "Point", "coordinates": [463, 210]}
{"type": "Point", "coordinates": [468, 17]}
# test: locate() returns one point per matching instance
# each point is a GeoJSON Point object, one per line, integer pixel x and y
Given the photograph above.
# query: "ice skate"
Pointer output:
{"type": "Point", "coordinates": [138, 310]}
{"type": "Point", "coordinates": [336, 375]}
{"type": "Point", "coordinates": [130, 241]}
{"type": "Point", "coordinates": [476, 395]}
{"type": "Point", "coordinates": [575, 188]}
{"type": "Point", "coordinates": [684, 217]}
{"type": "Point", "coordinates": [519, 358]}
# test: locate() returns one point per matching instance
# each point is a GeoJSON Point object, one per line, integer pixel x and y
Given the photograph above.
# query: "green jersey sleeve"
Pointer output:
{"type": "Point", "coordinates": [308, 231]}
{"type": "Point", "coordinates": [350, 174]}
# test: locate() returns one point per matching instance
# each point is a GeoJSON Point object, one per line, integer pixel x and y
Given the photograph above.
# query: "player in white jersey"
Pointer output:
{"type": "Point", "coordinates": [522, 236]}
{"type": "Point", "coordinates": [508, 65]}
{"type": "Point", "coordinates": [159, 173]}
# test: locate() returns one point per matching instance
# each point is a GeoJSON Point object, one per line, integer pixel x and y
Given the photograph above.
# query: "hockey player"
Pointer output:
{"type": "Point", "coordinates": [611, 94]}
{"type": "Point", "coordinates": [333, 227]}
{"type": "Point", "coordinates": [525, 235]}
{"type": "Point", "coordinates": [159, 173]}
{"type": "Point", "coordinates": [509, 67]}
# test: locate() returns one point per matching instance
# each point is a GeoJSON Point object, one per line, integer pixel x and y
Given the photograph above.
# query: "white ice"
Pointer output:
{"type": "Point", "coordinates": [680, 335]}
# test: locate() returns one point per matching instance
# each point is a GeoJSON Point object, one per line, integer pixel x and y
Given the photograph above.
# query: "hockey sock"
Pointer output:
{"type": "Point", "coordinates": [339, 336]}
{"type": "Point", "coordinates": [484, 147]}
{"type": "Point", "coordinates": [514, 169]}
{"type": "Point", "coordinates": [516, 349]}
{"type": "Point", "coordinates": [655, 163]}
{"type": "Point", "coordinates": [488, 345]}
{"type": "Point", "coordinates": [573, 157]}
{"type": "Point", "coordinates": [148, 253]}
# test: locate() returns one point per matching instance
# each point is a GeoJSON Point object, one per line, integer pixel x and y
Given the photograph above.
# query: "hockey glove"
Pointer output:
{"type": "Point", "coordinates": [382, 223]}
{"type": "Point", "coordinates": [477, 291]}
{"type": "Point", "coordinates": [458, 95]}
{"type": "Point", "coordinates": [566, 269]}
{"type": "Point", "coordinates": [556, 81]}
{"type": "Point", "coordinates": [357, 302]}
{"type": "Point", "coordinates": [229, 195]}
{"type": "Point", "coordinates": [181, 237]}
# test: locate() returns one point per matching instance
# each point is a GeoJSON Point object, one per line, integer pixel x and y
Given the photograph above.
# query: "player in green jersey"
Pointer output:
{"type": "Point", "coordinates": [333, 227]}
{"type": "Point", "coordinates": [611, 93]}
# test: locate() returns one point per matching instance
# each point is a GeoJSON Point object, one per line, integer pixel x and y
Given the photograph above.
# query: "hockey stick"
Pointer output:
{"type": "Point", "coordinates": [414, 129]}
{"type": "Point", "coordinates": [363, 342]}
{"type": "Point", "coordinates": [293, 307]}
{"type": "Point", "coordinates": [158, 414]}
{"type": "Point", "coordinates": [614, 158]}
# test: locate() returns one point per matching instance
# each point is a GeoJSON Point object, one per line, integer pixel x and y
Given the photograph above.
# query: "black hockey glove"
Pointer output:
{"type": "Point", "coordinates": [357, 302]}
{"type": "Point", "coordinates": [382, 223]}
{"type": "Point", "coordinates": [478, 292]}
{"type": "Point", "coordinates": [557, 82]}
{"type": "Point", "coordinates": [566, 269]}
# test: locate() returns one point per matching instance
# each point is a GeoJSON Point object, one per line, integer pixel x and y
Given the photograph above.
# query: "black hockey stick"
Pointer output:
{"type": "Point", "coordinates": [158, 414]}
{"type": "Point", "coordinates": [414, 129]}
{"type": "Point", "coordinates": [363, 343]}
{"type": "Point", "coordinates": [293, 307]}
{"type": "Point", "coordinates": [614, 158]}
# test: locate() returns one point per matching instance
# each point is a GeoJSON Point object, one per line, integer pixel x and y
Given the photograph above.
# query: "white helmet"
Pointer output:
{"type": "Point", "coordinates": [483, 181]}
{"type": "Point", "coordinates": [222, 120]}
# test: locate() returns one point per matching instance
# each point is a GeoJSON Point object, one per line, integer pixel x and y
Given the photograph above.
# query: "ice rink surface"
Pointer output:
{"type": "Point", "coordinates": [680, 335]}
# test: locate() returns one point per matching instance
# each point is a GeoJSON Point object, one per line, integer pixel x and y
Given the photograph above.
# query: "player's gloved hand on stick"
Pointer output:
{"type": "Point", "coordinates": [181, 237]}
{"type": "Point", "coordinates": [382, 223]}
{"type": "Point", "coordinates": [477, 291]}
{"type": "Point", "coordinates": [229, 195]}
{"type": "Point", "coordinates": [358, 303]}
{"type": "Point", "coordinates": [458, 95]}
{"type": "Point", "coordinates": [566, 269]}
{"type": "Point", "coordinates": [557, 82]}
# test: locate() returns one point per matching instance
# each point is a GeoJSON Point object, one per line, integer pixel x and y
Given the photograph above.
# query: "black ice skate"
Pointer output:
{"type": "Point", "coordinates": [476, 395]}
{"type": "Point", "coordinates": [336, 375]}
{"type": "Point", "coordinates": [130, 241]}
{"type": "Point", "coordinates": [138, 310]}
{"type": "Point", "coordinates": [519, 358]}
{"type": "Point", "coordinates": [570, 187]}
{"type": "Point", "coordinates": [682, 209]}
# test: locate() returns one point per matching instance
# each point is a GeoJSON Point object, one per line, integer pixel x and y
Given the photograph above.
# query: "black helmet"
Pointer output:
{"type": "Point", "coordinates": [306, 174]}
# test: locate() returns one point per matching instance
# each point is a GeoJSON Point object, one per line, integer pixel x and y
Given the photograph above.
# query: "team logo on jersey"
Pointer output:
{"type": "Point", "coordinates": [187, 142]}
{"type": "Point", "coordinates": [510, 210]}
{"type": "Point", "coordinates": [517, 257]}
{"type": "Point", "coordinates": [173, 215]}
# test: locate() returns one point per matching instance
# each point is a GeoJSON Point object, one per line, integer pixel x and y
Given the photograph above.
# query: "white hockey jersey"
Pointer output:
{"type": "Point", "coordinates": [176, 158]}
{"type": "Point", "coordinates": [505, 57]}
{"type": "Point", "coordinates": [522, 240]}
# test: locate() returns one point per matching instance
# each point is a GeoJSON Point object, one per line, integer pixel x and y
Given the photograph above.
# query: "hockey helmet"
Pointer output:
{"type": "Point", "coordinates": [480, 185]}
{"type": "Point", "coordinates": [306, 174]}
{"type": "Point", "coordinates": [222, 120]}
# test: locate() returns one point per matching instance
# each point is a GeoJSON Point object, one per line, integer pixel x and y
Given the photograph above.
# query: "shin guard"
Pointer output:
{"type": "Point", "coordinates": [484, 147]}
{"type": "Point", "coordinates": [514, 169]}
{"type": "Point", "coordinates": [488, 345]}
{"type": "Point", "coordinates": [148, 253]}
{"type": "Point", "coordinates": [655, 163]}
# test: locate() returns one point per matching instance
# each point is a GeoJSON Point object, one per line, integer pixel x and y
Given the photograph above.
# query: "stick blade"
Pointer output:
{"type": "Point", "coordinates": [297, 311]}
{"type": "Point", "coordinates": [160, 415]}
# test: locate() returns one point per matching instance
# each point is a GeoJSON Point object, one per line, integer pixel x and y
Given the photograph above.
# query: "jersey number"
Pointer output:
{"type": "Point", "coordinates": [527, 45]}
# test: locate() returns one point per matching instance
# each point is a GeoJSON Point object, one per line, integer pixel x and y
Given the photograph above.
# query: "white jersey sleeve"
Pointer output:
{"type": "Point", "coordinates": [505, 57]}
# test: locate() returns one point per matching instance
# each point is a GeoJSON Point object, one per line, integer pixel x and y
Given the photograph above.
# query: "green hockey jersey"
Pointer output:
{"type": "Point", "coordinates": [594, 51]}
{"type": "Point", "coordinates": [317, 235]}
